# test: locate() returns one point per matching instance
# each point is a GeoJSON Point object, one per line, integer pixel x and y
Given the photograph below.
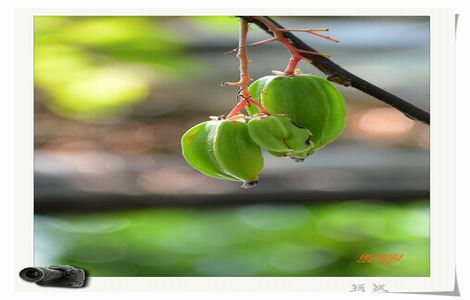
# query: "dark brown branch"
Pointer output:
{"type": "Point", "coordinates": [94, 202]}
{"type": "Point", "coordinates": [337, 74]}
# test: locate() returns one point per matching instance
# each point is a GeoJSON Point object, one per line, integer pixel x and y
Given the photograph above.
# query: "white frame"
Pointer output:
{"type": "Point", "coordinates": [442, 202]}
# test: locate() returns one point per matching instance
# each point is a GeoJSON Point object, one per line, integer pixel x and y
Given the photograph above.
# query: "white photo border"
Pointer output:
{"type": "Point", "coordinates": [442, 181]}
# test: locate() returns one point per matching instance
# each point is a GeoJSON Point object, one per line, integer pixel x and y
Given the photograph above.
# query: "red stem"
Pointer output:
{"type": "Point", "coordinates": [245, 102]}
{"type": "Point", "coordinates": [244, 98]}
{"type": "Point", "coordinates": [258, 106]}
{"type": "Point", "coordinates": [236, 110]}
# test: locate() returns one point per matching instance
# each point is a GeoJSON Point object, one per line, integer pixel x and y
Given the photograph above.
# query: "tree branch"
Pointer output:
{"type": "Point", "coordinates": [337, 74]}
{"type": "Point", "coordinates": [101, 202]}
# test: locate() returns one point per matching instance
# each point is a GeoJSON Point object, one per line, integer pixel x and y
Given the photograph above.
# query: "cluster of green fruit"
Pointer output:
{"type": "Point", "coordinates": [306, 112]}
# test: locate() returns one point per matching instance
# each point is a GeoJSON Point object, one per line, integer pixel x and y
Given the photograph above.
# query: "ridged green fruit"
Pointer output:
{"type": "Point", "coordinates": [280, 136]}
{"type": "Point", "coordinates": [310, 101]}
{"type": "Point", "coordinates": [223, 149]}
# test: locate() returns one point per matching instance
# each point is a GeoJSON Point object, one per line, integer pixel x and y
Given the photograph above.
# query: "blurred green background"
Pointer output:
{"type": "Point", "coordinates": [113, 95]}
{"type": "Point", "coordinates": [251, 240]}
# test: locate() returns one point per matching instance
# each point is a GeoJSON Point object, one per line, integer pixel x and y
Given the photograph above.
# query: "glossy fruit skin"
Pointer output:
{"type": "Point", "coordinates": [310, 101]}
{"type": "Point", "coordinates": [223, 149]}
{"type": "Point", "coordinates": [280, 136]}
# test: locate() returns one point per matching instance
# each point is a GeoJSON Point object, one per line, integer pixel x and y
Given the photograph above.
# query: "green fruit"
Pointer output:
{"type": "Point", "coordinates": [224, 150]}
{"type": "Point", "coordinates": [310, 101]}
{"type": "Point", "coordinates": [280, 136]}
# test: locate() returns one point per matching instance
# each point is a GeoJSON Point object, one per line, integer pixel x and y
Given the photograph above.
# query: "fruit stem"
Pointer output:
{"type": "Point", "coordinates": [236, 110]}
{"type": "Point", "coordinates": [258, 106]}
{"type": "Point", "coordinates": [243, 58]}
{"type": "Point", "coordinates": [243, 96]}
{"type": "Point", "coordinates": [246, 102]}
{"type": "Point", "coordinates": [295, 53]}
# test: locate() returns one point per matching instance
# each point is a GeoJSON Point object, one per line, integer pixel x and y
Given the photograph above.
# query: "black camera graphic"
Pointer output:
{"type": "Point", "coordinates": [58, 276]}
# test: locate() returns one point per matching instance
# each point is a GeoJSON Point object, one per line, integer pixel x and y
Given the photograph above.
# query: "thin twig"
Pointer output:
{"type": "Point", "coordinates": [244, 95]}
{"type": "Point", "coordinates": [278, 35]}
{"type": "Point", "coordinates": [337, 74]}
{"type": "Point", "coordinates": [243, 58]}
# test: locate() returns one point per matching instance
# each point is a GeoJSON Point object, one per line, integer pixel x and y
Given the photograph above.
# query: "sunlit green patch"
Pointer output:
{"type": "Point", "coordinates": [94, 68]}
{"type": "Point", "coordinates": [285, 240]}
{"type": "Point", "coordinates": [218, 24]}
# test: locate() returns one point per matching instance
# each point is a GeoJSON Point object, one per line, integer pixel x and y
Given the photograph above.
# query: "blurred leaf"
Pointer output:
{"type": "Point", "coordinates": [218, 24]}
{"type": "Point", "coordinates": [94, 68]}
{"type": "Point", "coordinates": [80, 89]}
{"type": "Point", "coordinates": [231, 242]}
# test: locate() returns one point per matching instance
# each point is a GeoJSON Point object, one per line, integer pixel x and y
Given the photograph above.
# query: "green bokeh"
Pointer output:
{"type": "Point", "coordinates": [95, 68]}
{"type": "Point", "coordinates": [252, 240]}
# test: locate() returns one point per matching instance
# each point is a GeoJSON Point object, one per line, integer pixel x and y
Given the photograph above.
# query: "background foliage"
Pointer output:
{"type": "Point", "coordinates": [113, 96]}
